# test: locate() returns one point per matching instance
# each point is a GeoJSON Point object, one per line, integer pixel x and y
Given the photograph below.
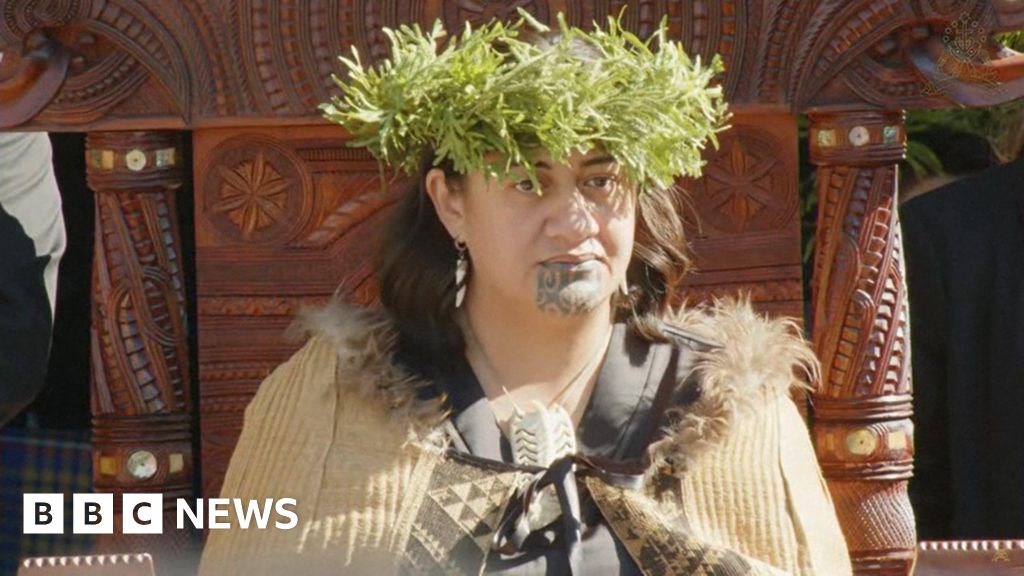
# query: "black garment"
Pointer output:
{"type": "Point", "coordinates": [620, 420]}
{"type": "Point", "coordinates": [24, 318]}
{"type": "Point", "coordinates": [31, 243]}
{"type": "Point", "coordinates": [964, 251]}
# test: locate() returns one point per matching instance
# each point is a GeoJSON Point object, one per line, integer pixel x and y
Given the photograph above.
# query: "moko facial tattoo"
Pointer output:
{"type": "Point", "coordinates": [486, 92]}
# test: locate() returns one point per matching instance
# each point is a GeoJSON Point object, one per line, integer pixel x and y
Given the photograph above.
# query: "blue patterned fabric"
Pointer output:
{"type": "Point", "coordinates": [38, 460]}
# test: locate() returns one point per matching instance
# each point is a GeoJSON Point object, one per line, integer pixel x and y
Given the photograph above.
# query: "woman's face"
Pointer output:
{"type": "Point", "coordinates": [564, 252]}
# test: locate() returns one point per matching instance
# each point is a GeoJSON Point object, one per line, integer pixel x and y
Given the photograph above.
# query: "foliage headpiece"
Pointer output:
{"type": "Point", "coordinates": [647, 103]}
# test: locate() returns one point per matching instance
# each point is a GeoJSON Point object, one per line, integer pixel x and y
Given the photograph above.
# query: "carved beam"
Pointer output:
{"type": "Point", "coordinates": [39, 76]}
{"type": "Point", "coordinates": [141, 400]}
{"type": "Point", "coordinates": [905, 55]}
{"type": "Point", "coordinates": [862, 430]}
{"type": "Point", "coordinates": [987, 82]}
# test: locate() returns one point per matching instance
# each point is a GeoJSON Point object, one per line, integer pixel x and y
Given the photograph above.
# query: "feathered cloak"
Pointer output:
{"type": "Point", "coordinates": [340, 428]}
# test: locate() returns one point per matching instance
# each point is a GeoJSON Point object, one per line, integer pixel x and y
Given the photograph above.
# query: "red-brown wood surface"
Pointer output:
{"type": "Point", "coordinates": [745, 226]}
{"type": "Point", "coordinates": [141, 402]}
{"type": "Point", "coordinates": [863, 432]}
{"type": "Point", "coordinates": [285, 212]}
{"type": "Point", "coordinates": [284, 218]}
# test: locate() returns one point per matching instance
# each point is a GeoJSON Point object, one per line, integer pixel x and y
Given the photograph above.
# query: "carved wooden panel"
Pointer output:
{"type": "Point", "coordinates": [283, 219]}
{"type": "Point", "coordinates": [891, 54]}
{"type": "Point", "coordinates": [745, 236]}
{"type": "Point", "coordinates": [208, 63]}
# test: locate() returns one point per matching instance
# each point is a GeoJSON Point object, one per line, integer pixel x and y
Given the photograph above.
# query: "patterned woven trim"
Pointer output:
{"type": "Point", "coordinates": [451, 533]}
{"type": "Point", "coordinates": [657, 546]}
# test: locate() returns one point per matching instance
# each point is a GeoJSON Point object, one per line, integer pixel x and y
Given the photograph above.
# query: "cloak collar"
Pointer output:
{"type": "Point", "coordinates": [754, 360]}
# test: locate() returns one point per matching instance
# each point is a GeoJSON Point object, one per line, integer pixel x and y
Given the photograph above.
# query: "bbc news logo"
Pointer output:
{"type": "Point", "coordinates": [143, 513]}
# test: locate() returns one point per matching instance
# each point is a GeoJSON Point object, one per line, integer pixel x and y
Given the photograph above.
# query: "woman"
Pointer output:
{"type": "Point", "coordinates": [526, 401]}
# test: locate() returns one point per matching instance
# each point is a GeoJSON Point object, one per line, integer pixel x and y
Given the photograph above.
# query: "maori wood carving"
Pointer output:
{"type": "Point", "coordinates": [862, 408]}
{"type": "Point", "coordinates": [742, 218]}
{"type": "Point", "coordinates": [198, 63]}
{"type": "Point", "coordinates": [141, 400]}
{"type": "Point", "coordinates": [284, 219]}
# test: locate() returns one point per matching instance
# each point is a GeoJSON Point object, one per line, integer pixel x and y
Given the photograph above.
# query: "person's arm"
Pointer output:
{"type": "Point", "coordinates": [760, 492]}
{"type": "Point", "coordinates": [312, 434]}
{"type": "Point", "coordinates": [288, 427]}
{"type": "Point", "coordinates": [748, 477]}
{"type": "Point", "coordinates": [32, 240]}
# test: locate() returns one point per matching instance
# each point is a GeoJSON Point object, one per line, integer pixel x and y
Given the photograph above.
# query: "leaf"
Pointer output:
{"type": "Point", "coordinates": [533, 22]}
{"type": "Point", "coordinates": [922, 160]}
{"type": "Point", "coordinates": [487, 91]}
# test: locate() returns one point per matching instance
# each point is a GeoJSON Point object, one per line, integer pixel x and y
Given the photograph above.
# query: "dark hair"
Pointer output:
{"type": "Point", "coordinates": [415, 270]}
{"type": "Point", "coordinates": [416, 261]}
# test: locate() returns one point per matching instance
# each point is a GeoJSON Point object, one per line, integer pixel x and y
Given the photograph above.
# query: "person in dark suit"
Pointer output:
{"type": "Point", "coordinates": [32, 240]}
{"type": "Point", "coordinates": [964, 254]}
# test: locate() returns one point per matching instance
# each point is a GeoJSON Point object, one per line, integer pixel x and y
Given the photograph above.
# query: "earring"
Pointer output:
{"type": "Point", "coordinates": [624, 287]}
{"type": "Point", "coordinates": [461, 265]}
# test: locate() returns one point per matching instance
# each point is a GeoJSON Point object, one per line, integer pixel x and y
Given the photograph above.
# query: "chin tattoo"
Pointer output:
{"type": "Point", "coordinates": [567, 292]}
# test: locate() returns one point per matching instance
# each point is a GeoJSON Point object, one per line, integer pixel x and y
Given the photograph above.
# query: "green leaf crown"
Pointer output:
{"type": "Point", "coordinates": [647, 103]}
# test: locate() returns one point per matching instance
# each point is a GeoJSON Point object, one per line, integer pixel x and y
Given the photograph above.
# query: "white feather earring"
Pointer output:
{"type": "Point", "coordinates": [624, 287]}
{"type": "Point", "coordinates": [461, 265]}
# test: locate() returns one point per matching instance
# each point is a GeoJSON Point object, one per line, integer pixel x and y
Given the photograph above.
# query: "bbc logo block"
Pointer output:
{"type": "Point", "coordinates": [143, 513]}
{"type": "Point", "coordinates": [92, 514]}
{"type": "Point", "coordinates": [43, 514]}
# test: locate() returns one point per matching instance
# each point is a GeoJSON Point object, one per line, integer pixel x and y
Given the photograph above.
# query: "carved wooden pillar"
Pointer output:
{"type": "Point", "coordinates": [862, 428]}
{"type": "Point", "coordinates": [141, 402]}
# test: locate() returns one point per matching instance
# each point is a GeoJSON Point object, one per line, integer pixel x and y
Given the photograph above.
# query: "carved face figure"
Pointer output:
{"type": "Point", "coordinates": [562, 252]}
